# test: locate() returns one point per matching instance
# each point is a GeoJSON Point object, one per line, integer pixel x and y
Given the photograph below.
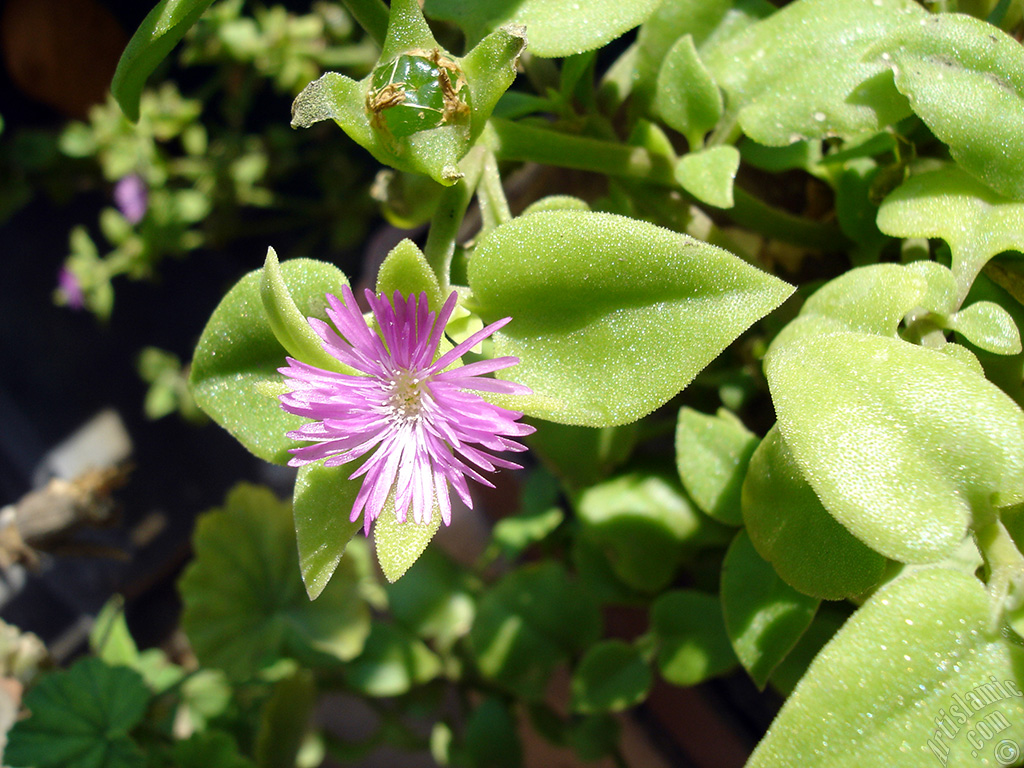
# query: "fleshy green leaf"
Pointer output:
{"type": "Point", "coordinates": [790, 529]}
{"type": "Point", "coordinates": [580, 456]}
{"type": "Point", "coordinates": [81, 718]}
{"type": "Point", "coordinates": [598, 298]}
{"type": "Point", "coordinates": [692, 642]}
{"type": "Point", "coordinates": [916, 678]}
{"type": "Point", "coordinates": [234, 372]}
{"type": "Point", "coordinates": [528, 623]}
{"type": "Point", "coordinates": [322, 505]}
{"type": "Point", "coordinates": [879, 429]}
{"type": "Point", "coordinates": [554, 28]}
{"type": "Point", "coordinates": [406, 270]}
{"type": "Point", "coordinates": [645, 525]}
{"type": "Point", "coordinates": [989, 326]}
{"type": "Point", "coordinates": [159, 32]}
{"type": "Point", "coordinates": [764, 616]}
{"type": "Point", "coordinates": [976, 222]}
{"type": "Point", "coordinates": [688, 99]}
{"type": "Point", "coordinates": [965, 79]}
{"type": "Point", "coordinates": [399, 545]}
{"type": "Point", "coordinates": [709, 174]}
{"type": "Point", "coordinates": [712, 453]}
{"type": "Point", "coordinates": [245, 606]}
{"type": "Point", "coordinates": [611, 676]}
{"type": "Point", "coordinates": [802, 75]}
{"type": "Point", "coordinates": [392, 663]}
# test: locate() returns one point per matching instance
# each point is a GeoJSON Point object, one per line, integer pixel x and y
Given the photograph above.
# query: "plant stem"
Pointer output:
{"type": "Point", "coordinates": [491, 195]}
{"type": "Point", "coordinates": [371, 15]}
{"type": "Point", "coordinates": [447, 219]}
{"type": "Point", "coordinates": [1006, 568]}
{"type": "Point", "coordinates": [515, 141]}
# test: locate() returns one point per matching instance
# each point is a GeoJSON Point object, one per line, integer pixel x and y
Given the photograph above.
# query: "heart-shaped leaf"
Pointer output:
{"type": "Point", "coordinates": [234, 374]}
{"type": "Point", "coordinates": [611, 316]}
{"type": "Point", "coordinates": [879, 428]}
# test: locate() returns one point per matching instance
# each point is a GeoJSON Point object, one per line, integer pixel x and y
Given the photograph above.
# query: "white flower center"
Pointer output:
{"type": "Point", "coordinates": [405, 398]}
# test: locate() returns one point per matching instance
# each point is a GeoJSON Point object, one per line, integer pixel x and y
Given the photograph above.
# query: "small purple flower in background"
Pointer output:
{"type": "Point", "coordinates": [419, 420]}
{"type": "Point", "coordinates": [131, 197]}
{"type": "Point", "coordinates": [70, 289]}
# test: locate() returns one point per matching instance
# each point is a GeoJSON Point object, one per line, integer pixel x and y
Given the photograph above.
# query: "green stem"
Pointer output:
{"type": "Point", "coordinates": [447, 219]}
{"type": "Point", "coordinates": [491, 195]}
{"type": "Point", "coordinates": [1006, 568]}
{"type": "Point", "coordinates": [371, 15]}
{"type": "Point", "coordinates": [515, 141]}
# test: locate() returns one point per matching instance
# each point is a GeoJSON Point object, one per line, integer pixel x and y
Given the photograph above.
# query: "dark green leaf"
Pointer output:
{"type": "Point", "coordinates": [611, 676]}
{"type": "Point", "coordinates": [692, 642]}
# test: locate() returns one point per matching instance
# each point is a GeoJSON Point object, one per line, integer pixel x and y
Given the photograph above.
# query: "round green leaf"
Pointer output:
{"type": "Point", "coordinates": [790, 529]}
{"type": "Point", "coordinates": [800, 73]}
{"type": "Point", "coordinates": [965, 79]}
{"type": "Point", "coordinates": [880, 430]}
{"type": "Point", "coordinates": [611, 316]}
{"type": "Point", "coordinates": [528, 623]}
{"type": "Point", "coordinates": [949, 203]}
{"type": "Point", "coordinates": [245, 606]}
{"type": "Point", "coordinates": [915, 678]}
{"type": "Point", "coordinates": [988, 326]}
{"type": "Point", "coordinates": [554, 27]}
{"type": "Point", "coordinates": [692, 642]}
{"type": "Point", "coordinates": [435, 601]}
{"type": "Point", "coordinates": [611, 677]}
{"type": "Point", "coordinates": [81, 718]}
{"type": "Point", "coordinates": [764, 616]}
{"type": "Point", "coordinates": [234, 374]}
{"type": "Point", "coordinates": [712, 453]}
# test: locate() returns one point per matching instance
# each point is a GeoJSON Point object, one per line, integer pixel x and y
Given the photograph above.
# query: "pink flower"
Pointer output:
{"type": "Point", "coordinates": [423, 427]}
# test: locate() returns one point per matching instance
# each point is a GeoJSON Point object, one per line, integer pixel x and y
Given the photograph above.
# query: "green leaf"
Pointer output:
{"type": "Point", "coordinates": [209, 748]}
{"type": "Point", "coordinates": [110, 639]}
{"type": "Point", "coordinates": [434, 602]}
{"type": "Point", "coordinates": [399, 545]}
{"type": "Point", "coordinates": [284, 719]}
{"type": "Point", "coordinates": [245, 606]}
{"type": "Point", "coordinates": [537, 517]}
{"type": "Point", "coordinates": [976, 222]}
{"type": "Point", "coordinates": [878, 428]}
{"type": "Point", "coordinates": [712, 453]}
{"type": "Point", "coordinates": [764, 616]}
{"type": "Point", "coordinates": [322, 505]}
{"type": "Point", "coordinates": [965, 79]}
{"type": "Point", "coordinates": [555, 28]}
{"type": "Point", "coordinates": [492, 737]}
{"type": "Point", "coordinates": [790, 529]}
{"type": "Point", "coordinates": [645, 525]}
{"type": "Point", "coordinates": [234, 370]}
{"type": "Point", "coordinates": [159, 32]}
{"type": "Point", "coordinates": [803, 75]}
{"type": "Point", "coordinates": [530, 622]}
{"type": "Point", "coordinates": [989, 326]}
{"type": "Point", "coordinates": [81, 718]}
{"type": "Point", "coordinates": [611, 676]}
{"type": "Point", "coordinates": [580, 456]}
{"type": "Point", "coordinates": [692, 642]}
{"type": "Point", "coordinates": [598, 298]}
{"type": "Point", "coordinates": [709, 174]}
{"type": "Point", "coordinates": [406, 270]}
{"type": "Point", "coordinates": [827, 621]}
{"type": "Point", "coordinates": [392, 663]}
{"type": "Point", "coordinates": [290, 327]}
{"type": "Point", "coordinates": [688, 99]}
{"type": "Point", "coordinates": [916, 677]}
{"type": "Point", "coordinates": [706, 21]}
